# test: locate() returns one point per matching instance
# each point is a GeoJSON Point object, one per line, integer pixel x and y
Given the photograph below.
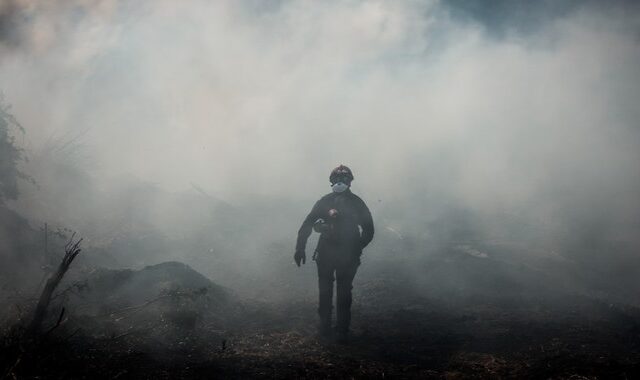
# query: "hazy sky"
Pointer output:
{"type": "Point", "coordinates": [506, 105]}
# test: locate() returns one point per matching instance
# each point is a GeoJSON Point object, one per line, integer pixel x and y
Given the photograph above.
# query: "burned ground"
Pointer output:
{"type": "Point", "coordinates": [180, 324]}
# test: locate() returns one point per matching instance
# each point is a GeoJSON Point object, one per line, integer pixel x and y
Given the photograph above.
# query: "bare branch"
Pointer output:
{"type": "Point", "coordinates": [71, 250]}
{"type": "Point", "coordinates": [57, 323]}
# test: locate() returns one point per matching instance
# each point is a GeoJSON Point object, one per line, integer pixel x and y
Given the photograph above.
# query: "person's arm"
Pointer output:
{"type": "Point", "coordinates": [306, 227]}
{"type": "Point", "coordinates": [366, 222]}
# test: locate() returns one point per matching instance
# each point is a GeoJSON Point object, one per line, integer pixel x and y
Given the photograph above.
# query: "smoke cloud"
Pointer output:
{"type": "Point", "coordinates": [435, 106]}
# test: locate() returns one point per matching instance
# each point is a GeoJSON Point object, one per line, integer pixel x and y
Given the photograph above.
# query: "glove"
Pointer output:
{"type": "Point", "coordinates": [300, 256]}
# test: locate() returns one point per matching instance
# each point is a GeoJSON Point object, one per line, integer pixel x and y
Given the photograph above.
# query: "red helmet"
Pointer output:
{"type": "Point", "coordinates": [339, 173]}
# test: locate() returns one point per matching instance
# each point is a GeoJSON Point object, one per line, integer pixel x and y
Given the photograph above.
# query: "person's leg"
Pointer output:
{"type": "Point", "coordinates": [344, 284]}
{"type": "Point", "coordinates": [325, 295]}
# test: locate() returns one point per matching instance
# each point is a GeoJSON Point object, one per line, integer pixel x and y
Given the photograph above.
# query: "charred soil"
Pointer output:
{"type": "Point", "coordinates": [196, 329]}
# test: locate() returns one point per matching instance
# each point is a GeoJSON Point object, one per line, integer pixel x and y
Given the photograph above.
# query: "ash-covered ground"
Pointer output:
{"type": "Point", "coordinates": [495, 320]}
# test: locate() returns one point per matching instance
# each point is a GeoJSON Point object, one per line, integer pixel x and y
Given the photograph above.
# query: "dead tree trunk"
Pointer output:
{"type": "Point", "coordinates": [71, 250]}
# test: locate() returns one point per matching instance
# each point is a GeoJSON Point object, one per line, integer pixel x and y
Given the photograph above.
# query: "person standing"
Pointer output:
{"type": "Point", "coordinates": [346, 228]}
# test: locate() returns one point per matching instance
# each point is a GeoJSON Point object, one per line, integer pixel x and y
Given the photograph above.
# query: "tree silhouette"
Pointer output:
{"type": "Point", "coordinates": [10, 154]}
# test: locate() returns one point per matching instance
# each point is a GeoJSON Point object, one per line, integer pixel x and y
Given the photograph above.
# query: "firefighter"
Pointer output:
{"type": "Point", "coordinates": [346, 227]}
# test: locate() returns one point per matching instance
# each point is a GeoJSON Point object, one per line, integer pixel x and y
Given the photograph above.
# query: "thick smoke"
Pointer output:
{"type": "Point", "coordinates": [447, 116]}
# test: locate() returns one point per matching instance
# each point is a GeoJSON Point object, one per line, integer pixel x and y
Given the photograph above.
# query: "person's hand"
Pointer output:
{"type": "Point", "coordinates": [300, 256]}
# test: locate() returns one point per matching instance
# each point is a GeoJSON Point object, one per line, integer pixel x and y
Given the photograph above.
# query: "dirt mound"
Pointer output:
{"type": "Point", "coordinates": [130, 287]}
{"type": "Point", "coordinates": [166, 301]}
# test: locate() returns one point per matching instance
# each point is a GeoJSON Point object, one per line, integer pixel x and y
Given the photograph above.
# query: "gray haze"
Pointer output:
{"type": "Point", "coordinates": [519, 123]}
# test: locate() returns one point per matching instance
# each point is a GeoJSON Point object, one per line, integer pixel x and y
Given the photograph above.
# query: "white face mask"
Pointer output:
{"type": "Point", "coordinates": [339, 187]}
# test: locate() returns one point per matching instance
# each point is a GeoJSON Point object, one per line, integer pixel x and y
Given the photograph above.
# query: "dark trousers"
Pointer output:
{"type": "Point", "coordinates": [343, 273]}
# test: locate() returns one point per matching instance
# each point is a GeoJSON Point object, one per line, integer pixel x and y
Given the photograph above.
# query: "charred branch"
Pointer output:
{"type": "Point", "coordinates": [71, 250]}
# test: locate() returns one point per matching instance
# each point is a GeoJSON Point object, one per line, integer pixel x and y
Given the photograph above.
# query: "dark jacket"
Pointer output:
{"type": "Point", "coordinates": [344, 233]}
